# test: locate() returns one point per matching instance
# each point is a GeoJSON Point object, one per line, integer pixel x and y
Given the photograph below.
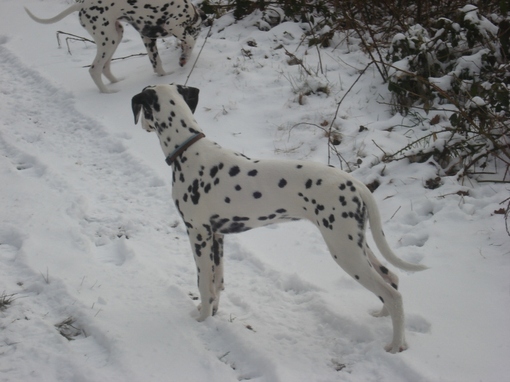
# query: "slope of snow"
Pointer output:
{"type": "Point", "coordinates": [88, 230]}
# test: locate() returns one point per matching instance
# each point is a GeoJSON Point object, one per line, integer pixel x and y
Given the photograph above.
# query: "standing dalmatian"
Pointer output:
{"type": "Point", "coordinates": [218, 192]}
{"type": "Point", "coordinates": [153, 19]}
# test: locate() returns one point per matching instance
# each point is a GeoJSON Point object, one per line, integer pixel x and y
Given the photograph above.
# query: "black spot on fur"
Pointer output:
{"type": "Point", "coordinates": [216, 249]}
{"type": "Point", "coordinates": [216, 223]}
{"type": "Point", "coordinates": [234, 171]}
{"type": "Point", "coordinates": [235, 227]}
{"type": "Point", "coordinates": [282, 183]}
{"type": "Point", "coordinates": [213, 171]}
{"type": "Point", "coordinates": [195, 195]}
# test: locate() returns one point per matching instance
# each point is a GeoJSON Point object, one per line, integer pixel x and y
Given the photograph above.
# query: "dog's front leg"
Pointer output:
{"type": "Point", "coordinates": [207, 252]}
{"type": "Point", "coordinates": [152, 52]}
{"type": "Point", "coordinates": [218, 280]}
{"type": "Point", "coordinates": [187, 42]}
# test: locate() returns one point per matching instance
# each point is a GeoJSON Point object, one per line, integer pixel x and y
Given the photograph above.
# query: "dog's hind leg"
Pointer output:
{"type": "Point", "coordinates": [106, 70]}
{"type": "Point", "coordinates": [207, 249]}
{"type": "Point", "coordinates": [355, 261]}
{"type": "Point", "coordinates": [386, 274]}
{"type": "Point", "coordinates": [107, 40]}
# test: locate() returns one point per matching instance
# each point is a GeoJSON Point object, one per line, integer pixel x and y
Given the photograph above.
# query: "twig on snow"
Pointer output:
{"type": "Point", "coordinates": [72, 37]}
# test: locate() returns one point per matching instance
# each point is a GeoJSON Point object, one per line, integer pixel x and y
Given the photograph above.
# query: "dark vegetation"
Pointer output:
{"type": "Point", "coordinates": [446, 64]}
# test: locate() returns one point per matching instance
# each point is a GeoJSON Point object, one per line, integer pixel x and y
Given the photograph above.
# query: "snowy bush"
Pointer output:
{"type": "Point", "coordinates": [459, 67]}
{"type": "Point", "coordinates": [443, 57]}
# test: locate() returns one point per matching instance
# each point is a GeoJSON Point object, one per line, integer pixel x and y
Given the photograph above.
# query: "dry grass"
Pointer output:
{"type": "Point", "coordinates": [68, 329]}
{"type": "Point", "coordinates": [6, 300]}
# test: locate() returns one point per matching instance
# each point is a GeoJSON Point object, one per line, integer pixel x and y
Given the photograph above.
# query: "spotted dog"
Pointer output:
{"type": "Point", "coordinates": [218, 191]}
{"type": "Point", "coordinates": [153, 19]}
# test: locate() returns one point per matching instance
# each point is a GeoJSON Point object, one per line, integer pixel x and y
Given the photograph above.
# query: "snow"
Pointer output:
{"type": "Point", "coordinates": [471, 14]}
{"type": "Point", "coordinates": [88, 229]}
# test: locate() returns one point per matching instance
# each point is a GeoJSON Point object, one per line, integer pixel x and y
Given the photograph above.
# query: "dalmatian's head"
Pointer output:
{"type": "Point", "coordinates": [159, 101]}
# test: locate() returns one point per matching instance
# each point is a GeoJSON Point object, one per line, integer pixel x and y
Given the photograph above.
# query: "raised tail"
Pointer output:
{"type": "Point", "coordinates": [374, 217]}
{"type": "Point", "coordinates": [73, 8]}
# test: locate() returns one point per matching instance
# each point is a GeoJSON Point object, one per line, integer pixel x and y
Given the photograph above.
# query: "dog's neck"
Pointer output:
{"type": "Point", "coordinates": [177, 135]}
{"type": "Point", "coordinates": [179, 150]}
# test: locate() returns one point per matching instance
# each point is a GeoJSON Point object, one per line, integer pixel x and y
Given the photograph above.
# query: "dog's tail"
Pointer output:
{"type": "Point", "coordinates": [374, 217]}
{"type": "Point", "coordinates": [73, 8]}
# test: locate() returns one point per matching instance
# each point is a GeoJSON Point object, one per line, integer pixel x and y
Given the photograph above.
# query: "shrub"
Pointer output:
{"type": "Point", "coordinates": [435, 55]}
{"type": "Point", "coordinates": [460, 67]}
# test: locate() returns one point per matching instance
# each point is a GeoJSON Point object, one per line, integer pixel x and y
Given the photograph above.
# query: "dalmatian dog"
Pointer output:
{"type": "Point", "coordinates": [153, 19]}
{"type": "Point", "coordinates": [218, 191]}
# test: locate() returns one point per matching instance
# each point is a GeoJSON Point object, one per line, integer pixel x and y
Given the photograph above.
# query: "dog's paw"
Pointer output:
{"type": "Point", "coordinates": [393, 349]}
{"type": "Point", "coordinates": [202, 317]}
{"type": "Point", "coordinates": [183, 60]}
{"type": "Point", "coordinates": [161, 73]}
{"type": "Point", "coordinates": [117, 79]}
{"type": "Point", "coordinates": [108, 91]}
{"type": "Point", "coordinates": [384, 312]}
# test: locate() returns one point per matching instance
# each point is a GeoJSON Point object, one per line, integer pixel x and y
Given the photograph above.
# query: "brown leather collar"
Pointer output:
{"type": "Point", "coordinates": [179, 150]}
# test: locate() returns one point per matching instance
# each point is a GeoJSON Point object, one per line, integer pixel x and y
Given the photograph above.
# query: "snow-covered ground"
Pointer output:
{"type": "Point", "coordinates": [88, 231]}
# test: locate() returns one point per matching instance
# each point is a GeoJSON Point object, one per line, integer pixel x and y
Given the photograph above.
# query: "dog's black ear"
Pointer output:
{"type": "Point", "coordinates": [146, 100]}
{"type": "Point", "coordinates": [190, 95]}
{"type": "Point", "coordinates": [136, 105]}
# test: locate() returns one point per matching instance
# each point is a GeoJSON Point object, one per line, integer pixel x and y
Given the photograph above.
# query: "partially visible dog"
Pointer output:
{"type": "Point", "coordinates": [153, 19]}
{"type": "Point", "coordinates": [218, 191]}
